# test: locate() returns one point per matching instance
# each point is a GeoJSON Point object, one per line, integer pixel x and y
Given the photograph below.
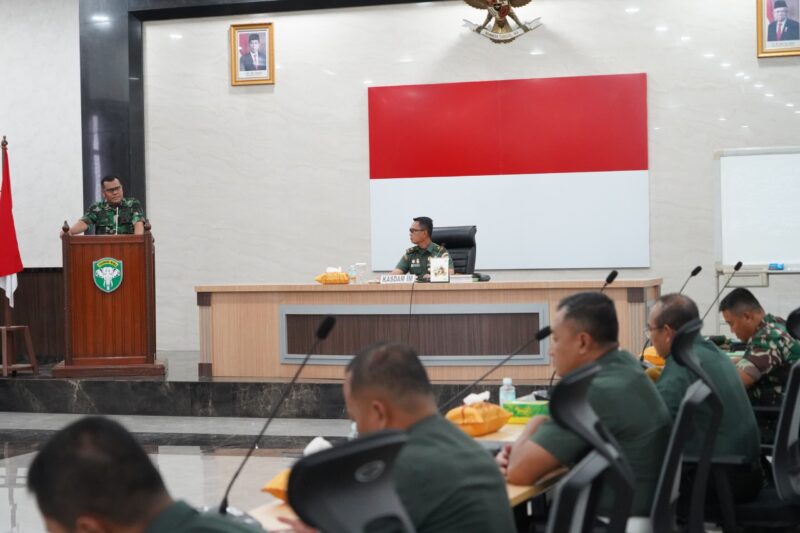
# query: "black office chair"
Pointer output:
{"type": "Point", "coordinates": [349, 487]}
{"type": "Point", "coordinates": [575, 504]}
{"type": "Point", "coordinates": [778, 504]}
{"type": "Point", "coordinates": [460, 244]}
{"type": "Point", "coordinates": [793, 323]}
{"type": "Point", "coordinates": [700, 392]}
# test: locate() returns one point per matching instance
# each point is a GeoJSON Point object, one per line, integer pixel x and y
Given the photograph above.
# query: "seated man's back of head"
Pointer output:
{"type": "Point", "coordinates": [446, 481]}
{"type": "Point", "coordinates": [94, 476]}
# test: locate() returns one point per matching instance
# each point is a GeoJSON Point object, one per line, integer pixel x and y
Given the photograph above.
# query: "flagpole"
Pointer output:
{"type": "Point", "coordinates": [6, 299]}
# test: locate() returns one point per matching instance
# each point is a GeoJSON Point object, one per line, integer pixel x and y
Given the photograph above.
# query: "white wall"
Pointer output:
{"type": "Point", "coordinates": [270, 184]}
{"type": "Point", "coordinates": [40, 113]}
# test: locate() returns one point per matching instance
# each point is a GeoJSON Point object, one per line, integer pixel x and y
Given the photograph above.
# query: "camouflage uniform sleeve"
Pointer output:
{"type": "Point", "coordinates": [403, 264]}
{"type": "Point", "coordinates": [766, 353]}
{"type": "Point", "coordinates": [137, 213]}
{"type": "Point", "coordinates": [90, 217]}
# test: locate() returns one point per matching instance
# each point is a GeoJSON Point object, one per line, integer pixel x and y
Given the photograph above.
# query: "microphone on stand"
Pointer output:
{"type": "Point", "coordinates": [736, 269]}
{"type": "Point", "coordinates": [540, 335]}
{"type": "Point", "coordinates": [323, 330]}
{"type": "Point", "coordinates": [695, 271]}
{"type": "Point", "coordinates": [609, 280]}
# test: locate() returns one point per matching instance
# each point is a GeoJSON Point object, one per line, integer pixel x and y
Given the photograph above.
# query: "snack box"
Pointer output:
{"type": "Point", "coordinates": [523, 410]}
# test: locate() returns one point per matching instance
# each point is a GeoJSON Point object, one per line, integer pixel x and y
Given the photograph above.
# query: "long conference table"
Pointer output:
{"type": "Point", "coordinates": [459, 329]}
{"type": "Point", "coordinates": [269, 513]}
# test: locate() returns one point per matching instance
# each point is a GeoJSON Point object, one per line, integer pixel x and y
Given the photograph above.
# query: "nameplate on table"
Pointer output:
{"type": "Point", "coordinates": [391, 279]}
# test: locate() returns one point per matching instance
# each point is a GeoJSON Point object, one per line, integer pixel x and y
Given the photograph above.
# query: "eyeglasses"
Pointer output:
{"type": "Point", "coordinates": [414, 230]}
{"type": "Point", "coordinates": [113, 189]}
{"type": "Point", "coordinates": [649, 331]}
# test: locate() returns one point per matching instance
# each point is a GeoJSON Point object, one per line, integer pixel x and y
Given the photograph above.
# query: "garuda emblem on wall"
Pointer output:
{"type": "Point", "coordinates": [500, 11]}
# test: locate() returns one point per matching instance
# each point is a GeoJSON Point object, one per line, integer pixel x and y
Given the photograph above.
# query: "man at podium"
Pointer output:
{"type": "Point", "coordinates": [114, 215]}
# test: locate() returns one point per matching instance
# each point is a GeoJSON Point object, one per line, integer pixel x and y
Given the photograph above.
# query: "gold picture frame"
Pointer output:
{"type": "Point", "coordinates": [252, 54]}
{"type": "Point", "coordinates": [776, 40]}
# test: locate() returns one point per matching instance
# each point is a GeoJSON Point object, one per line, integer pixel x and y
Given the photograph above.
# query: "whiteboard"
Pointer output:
{"type": "Point", "coordinates": [759, 206]}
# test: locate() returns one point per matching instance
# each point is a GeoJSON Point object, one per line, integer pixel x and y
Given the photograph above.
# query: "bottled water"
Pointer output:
{"type": "Point", "coordinates": [507, 392]}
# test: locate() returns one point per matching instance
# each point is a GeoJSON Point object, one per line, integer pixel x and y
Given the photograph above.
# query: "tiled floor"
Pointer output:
{"type": "Point", "coordinates": [197, 470]}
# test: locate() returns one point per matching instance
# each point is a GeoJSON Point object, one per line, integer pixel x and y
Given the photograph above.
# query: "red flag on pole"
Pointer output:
{"type": "Point", "coordinates": [10, 261]}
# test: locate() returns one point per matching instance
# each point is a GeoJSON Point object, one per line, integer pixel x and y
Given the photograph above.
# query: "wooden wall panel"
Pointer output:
{"type": "Point", "coordinates": [39, 304]}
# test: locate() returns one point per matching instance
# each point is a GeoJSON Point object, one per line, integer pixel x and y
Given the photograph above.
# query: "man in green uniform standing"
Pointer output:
{"type": "Point", "coordinates": [416, 260]}
{"type": "Point", "coordinates": [585, 330]}
{"type": "Point", "coordinates": [94, 476]}
{"type": "Point", "coordinates": [737, 434]}
{"type": "Point", "coordinates": [114, 215]}
{"type": "Point", "coordinates": [768, 357]}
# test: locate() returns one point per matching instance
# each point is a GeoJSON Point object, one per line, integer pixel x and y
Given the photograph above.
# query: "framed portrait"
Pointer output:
{"type": "Point", "coordinates": [778, 28]}
{"type": "Point", "coordinates": [252, 54]}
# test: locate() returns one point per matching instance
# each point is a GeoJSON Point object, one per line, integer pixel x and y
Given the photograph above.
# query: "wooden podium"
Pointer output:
{"type": "Point", "coordinates": [109, 295]}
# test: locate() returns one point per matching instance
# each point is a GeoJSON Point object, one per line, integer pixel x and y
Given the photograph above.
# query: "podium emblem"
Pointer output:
{"type": "Point", "coordinates": [107, 274]}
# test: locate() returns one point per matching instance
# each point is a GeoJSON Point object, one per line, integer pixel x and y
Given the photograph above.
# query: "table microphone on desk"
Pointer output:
{"type": "Point", "coordinates": [736, 269]}
{"type": "Point", "coordinates": [323, 330]}
{"type": "Point", "coordinates": [545, 395]}
{"type": "Point", "coordinates": [540, 335]}
{"type": "Point", "coordinates": [695, 271]}
{"type": "Point", "coordinates": [609, 280]}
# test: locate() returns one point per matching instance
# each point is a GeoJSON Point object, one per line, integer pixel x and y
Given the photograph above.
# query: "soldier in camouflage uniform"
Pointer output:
{"type": "Point", "coordinates": [416, 260]}
{"type": "Point", "coordinates": [114, 215]}
{"type": "Point", "coordinates": [769, 355]}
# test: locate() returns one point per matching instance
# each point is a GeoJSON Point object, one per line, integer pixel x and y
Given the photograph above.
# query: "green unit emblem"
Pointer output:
{"type": "Point", "coordinates": [107, 274]}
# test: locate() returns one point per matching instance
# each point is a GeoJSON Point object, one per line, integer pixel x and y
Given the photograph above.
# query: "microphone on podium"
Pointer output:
{"type": "Point", "coordinates": [736, 269]}
{"type": "Point", "coordinates": [695, 271]}
{"type": "Point", "coordinates": [322, 333]}
{"type": "Point", "coordinates": [540, 335]}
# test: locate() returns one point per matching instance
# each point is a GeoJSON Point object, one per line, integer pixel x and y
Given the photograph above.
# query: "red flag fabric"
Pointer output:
{"type": "Point", "coordinates": [10, 261]}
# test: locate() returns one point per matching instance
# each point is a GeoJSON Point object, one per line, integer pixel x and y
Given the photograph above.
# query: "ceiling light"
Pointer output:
{"type": "Point", "coordinates": [708, 55]}
{"type": "Point", "coordinates": [632, 9]}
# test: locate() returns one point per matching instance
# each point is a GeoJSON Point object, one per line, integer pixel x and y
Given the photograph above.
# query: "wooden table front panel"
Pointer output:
{"type": "Point", "coordinates": [244, 321]}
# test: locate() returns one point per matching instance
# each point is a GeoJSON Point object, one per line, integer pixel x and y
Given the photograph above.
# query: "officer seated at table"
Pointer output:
{"type": "Point", "coordinates": [416, 260]}
{"type": "Point", "coordinates": [763, 367]}
{"type": "Point", "coordinates": [92, 477]}
{"type": "Point", "coordinates": [738, 433]}
{"type": "Point", "coordinates": [585, 329]}
{"type": "Point", "coordinates": [446, 481]}
{"type": "Point", "coordinates": [769, 354]}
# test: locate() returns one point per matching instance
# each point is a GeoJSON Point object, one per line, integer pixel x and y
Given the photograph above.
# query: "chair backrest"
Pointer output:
{"type": "Point", "coordinates": [349, 486]}
{"type": "Point", "coordinates": [460, 244]}
{"type": "Point", "coordinates": [576, 496]}
{"type": "Point", "coordinates": [683, 354]}
{"type": "Point", "coordinates": [681, 350]}
{"type": "Point", "coordinates": [793, 323]}
{"type": "Point", "coordinates": [569, 407]}
{"type": "Point", "coordinates": [662, 515]}
{"type": "Point", "coordinates": [786, 450]}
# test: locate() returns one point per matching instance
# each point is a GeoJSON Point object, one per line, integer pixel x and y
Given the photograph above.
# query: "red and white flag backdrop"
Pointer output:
{"type": "Point", "coordinates": [553, 171]}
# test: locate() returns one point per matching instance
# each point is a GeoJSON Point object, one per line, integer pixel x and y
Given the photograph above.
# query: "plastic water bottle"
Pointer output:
{"type": "Point", "coordinates": [507, 392]}
{"type": "Point", "coordinates": [352, 273]}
